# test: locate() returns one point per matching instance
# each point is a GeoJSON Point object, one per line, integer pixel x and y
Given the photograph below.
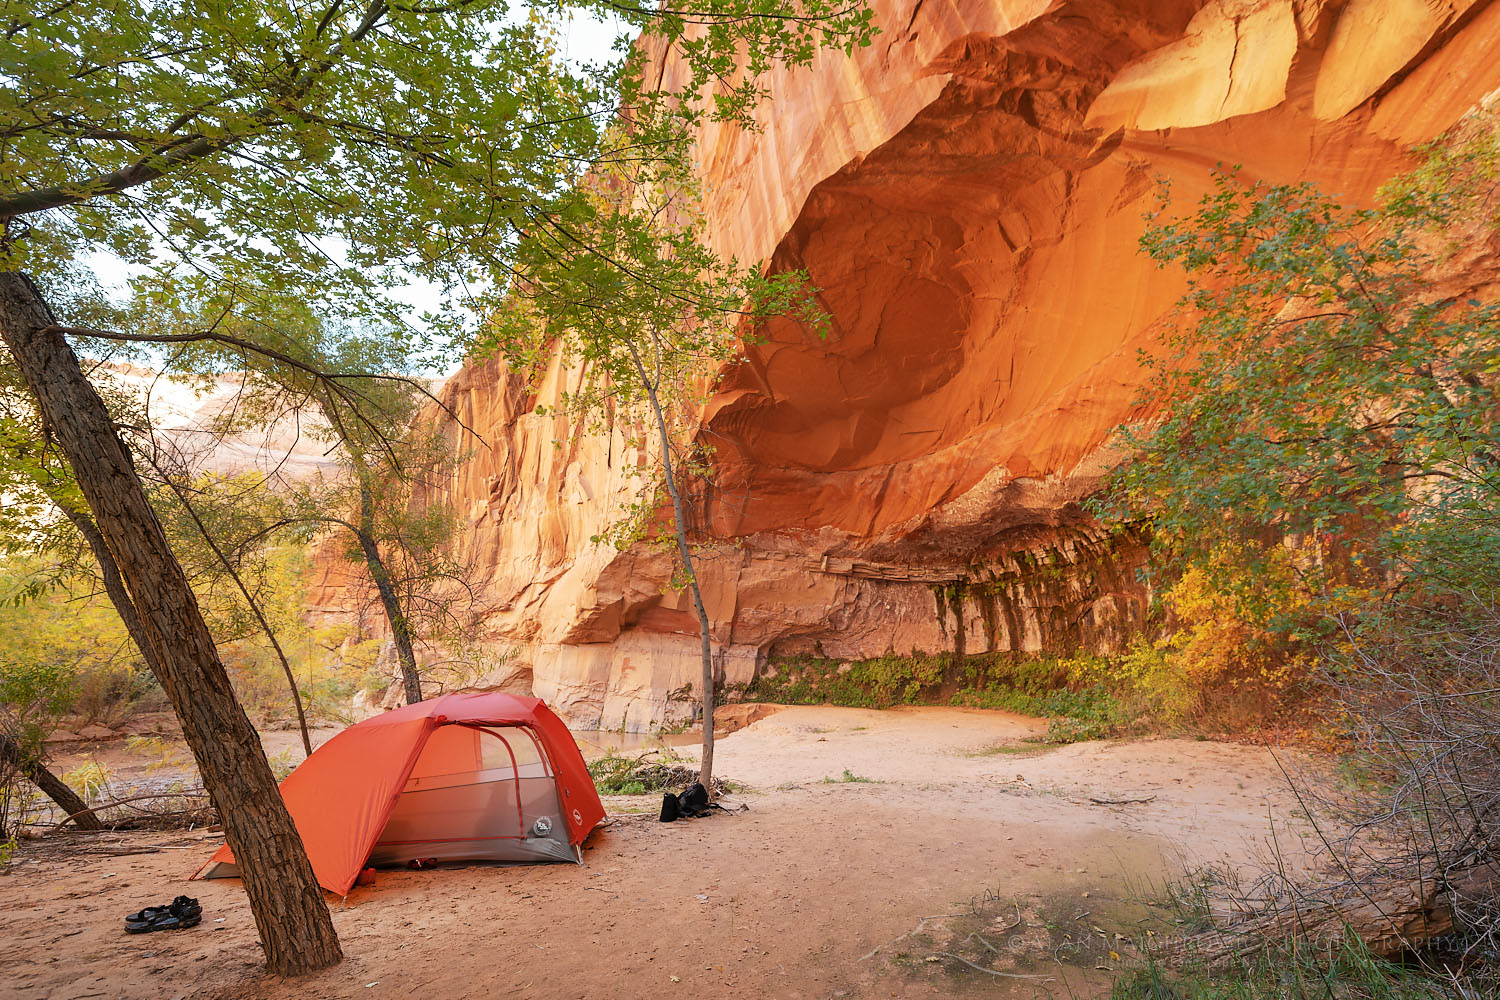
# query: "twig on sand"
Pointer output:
{"type": "Point", "coordinates": [119, 852]}
{"type": "Point", "coordinates": [976, 936]}
{"type": "Point", "coordinates": [920, 922]}
{"type": "Point", "coordinates": [980, 968]}
{"type": "Point", "coordinates": [1120, 802]}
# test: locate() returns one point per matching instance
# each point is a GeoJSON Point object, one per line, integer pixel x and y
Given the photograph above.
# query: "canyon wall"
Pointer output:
{"type": "Point", "coordinates": [186, 414]}
{"type": "Point", "coordinates": [967, 193]}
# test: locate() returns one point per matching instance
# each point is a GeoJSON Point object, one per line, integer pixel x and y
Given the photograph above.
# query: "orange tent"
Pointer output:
{"type": "Point", "coordinates": [460, 777]}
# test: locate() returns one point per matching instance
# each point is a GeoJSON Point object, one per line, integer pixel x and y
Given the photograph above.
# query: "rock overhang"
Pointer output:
{"type": "Point", "coordinates": [967, 194]}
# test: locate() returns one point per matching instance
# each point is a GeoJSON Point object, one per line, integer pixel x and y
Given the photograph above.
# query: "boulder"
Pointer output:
{"type": "Point", "coordinates": [732, 718]}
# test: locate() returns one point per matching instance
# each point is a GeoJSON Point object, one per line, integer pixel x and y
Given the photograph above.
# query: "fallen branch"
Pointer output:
{"type": "Point", "coordinates": [1389, 919]}
{"type": "Point", "coordinates": [51, 785]}
{"type": "Point", "coordinates": [1121, 802]}
{"type": "Point", "coordinates": [126, 801]}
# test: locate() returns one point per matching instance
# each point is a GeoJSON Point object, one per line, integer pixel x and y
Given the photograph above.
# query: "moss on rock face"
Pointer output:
{"type": "Point", "coordinates": [940, 595]}
{"type": "Point", "coordinates": [1078, 590]}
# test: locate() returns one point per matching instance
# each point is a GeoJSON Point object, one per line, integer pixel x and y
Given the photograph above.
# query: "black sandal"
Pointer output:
{"type": "Point", "coordinates": [148, 912]}
{"type": "Point", "coordinates": [183, 912]}
{"type": "Point", "coordinates": [173, 922]}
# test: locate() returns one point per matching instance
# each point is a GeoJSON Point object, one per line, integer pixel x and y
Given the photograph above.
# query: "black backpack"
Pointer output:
{"type": "Point", "coordinates": [670, 808]}
{"type": "Point", "coordinates": [692, 801]}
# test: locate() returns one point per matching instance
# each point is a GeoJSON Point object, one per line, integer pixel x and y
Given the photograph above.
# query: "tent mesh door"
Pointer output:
{"type": "Point", "coordinates": [482, 793]}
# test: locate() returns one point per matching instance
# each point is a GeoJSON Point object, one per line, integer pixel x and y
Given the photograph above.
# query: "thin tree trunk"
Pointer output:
{"type": "Point", "coordinates": [296, 931]}
{"type": "Point", "coordinates": [265, 626]}
{"type": "Point", "coordinates": [114, 587]}
{"type": "Point", "coordinates": [400, 628]}
{"type": "Point", "coordinates": [51, 785]}
{"type": "Point", "coordinates": [706, 768]}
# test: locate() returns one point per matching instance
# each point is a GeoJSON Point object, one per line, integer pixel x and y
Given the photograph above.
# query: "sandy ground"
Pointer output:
{"type": "Point", "coordinates": [817, 890]}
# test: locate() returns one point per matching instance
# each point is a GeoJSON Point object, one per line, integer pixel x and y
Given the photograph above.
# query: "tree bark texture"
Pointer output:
{"type": "Point", "coordinates": [400, 629]}
{"type": "Point", "coordinates": [294, 924]}
{"type": "Point", "coordinates": [51, 785]}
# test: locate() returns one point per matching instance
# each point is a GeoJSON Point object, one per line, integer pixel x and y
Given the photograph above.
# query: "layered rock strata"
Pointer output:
{"type": "Point", "coordinates": [967, 194]}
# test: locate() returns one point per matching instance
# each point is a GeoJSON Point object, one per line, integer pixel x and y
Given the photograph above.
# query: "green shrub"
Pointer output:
{"type": "Point", "coordinates": [1291, 971]}
{"type": "Point", "coordinates": [111, 692]}
{"type": "Point", "coordinates": [1090, 713]}
{"type": "Point", "coordinates": [89, 779]}
{"type": "Point", "coordinates": [653, 771]}
{"type": "Point", "coordinates": [1068, 690]}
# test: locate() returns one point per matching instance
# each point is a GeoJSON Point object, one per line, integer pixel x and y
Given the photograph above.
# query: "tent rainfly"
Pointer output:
{"type": "Point", "coordinates": [475, 777]}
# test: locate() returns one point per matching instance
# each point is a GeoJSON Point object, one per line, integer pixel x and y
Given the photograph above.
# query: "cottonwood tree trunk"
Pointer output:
{"type": "Point", "coordinates": [386, 587]}
{"type": "Point", "coordinates": [51, 785]}
{"type": "Point", "coordinates": [285, 899]}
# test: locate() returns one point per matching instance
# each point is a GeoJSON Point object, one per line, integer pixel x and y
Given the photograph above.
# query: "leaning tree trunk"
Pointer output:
{"type": "Point", "coordinates": [115, 588]}
{"type": "Point", "coordinates": [400, 627]}
{"type": "Point", "coordinates": [1389, 917]}
{"type": "Point", "coordinates": [706, 767]}
{"type": "Point", "coordinates": [51, 785]}
{"type": "Point", "coordinates": [296, 930]}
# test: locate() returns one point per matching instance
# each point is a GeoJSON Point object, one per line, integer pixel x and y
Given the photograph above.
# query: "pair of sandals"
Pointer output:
{"type": "Point", "coordinates": [182, 912]}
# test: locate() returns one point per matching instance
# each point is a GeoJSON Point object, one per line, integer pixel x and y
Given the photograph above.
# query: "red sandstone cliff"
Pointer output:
{"type": "Point", "coordinates": [967, 193]}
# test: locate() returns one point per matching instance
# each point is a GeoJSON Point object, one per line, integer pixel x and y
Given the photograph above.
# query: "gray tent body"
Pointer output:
{"type": "Point", "coordinates": [476, 816]}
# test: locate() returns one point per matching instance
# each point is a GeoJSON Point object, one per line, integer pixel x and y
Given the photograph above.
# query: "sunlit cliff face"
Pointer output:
{"type": "Point", "coordinates": [981, 266]}
{"type": "Point", "coordinates": [967, 194]}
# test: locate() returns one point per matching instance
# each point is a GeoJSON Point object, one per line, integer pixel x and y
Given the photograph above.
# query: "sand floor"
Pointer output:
{"type": "Point", "coordinates": [814, 891]}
